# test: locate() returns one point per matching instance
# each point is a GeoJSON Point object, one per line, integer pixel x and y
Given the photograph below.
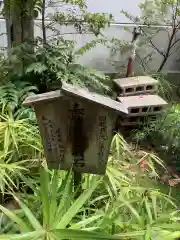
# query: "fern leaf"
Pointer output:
{"type": "Point", "coordinates": [37, 67]}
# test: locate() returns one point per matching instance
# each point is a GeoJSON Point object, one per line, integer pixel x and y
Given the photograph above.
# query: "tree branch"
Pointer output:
{"type": "Point", "coordinates": [168, 50]}
{"type": "Point", "coordinates": [174, 43]}
{"type": "Point", "coordinates": [167, 30]}
{"type": "Point", "coordinates": [151, 42]}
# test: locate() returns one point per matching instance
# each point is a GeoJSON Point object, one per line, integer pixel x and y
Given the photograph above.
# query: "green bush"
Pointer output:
{"type": "Point", "coordinates": [164, 135]}
{"type": "Point", "coordinates": [119, 205]}
{"type": "Point", "coordinates": [53, 213]}
{"type": "Point", "coordinates": [49, 66]}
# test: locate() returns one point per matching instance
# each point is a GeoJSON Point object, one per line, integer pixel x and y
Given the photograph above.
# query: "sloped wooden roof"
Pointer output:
{"type": "Point", "coordinates": [77, 92]}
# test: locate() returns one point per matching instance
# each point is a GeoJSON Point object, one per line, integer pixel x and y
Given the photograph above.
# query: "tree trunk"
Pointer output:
{"type": "Point", "coordinates": [43, 22]}
{"type": "Point", "coordinates": [167, 51]}
{"type": "Point", "coordinates": [19, 23]}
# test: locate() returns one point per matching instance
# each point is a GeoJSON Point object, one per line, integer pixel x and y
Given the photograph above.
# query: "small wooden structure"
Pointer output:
{"type": "Point", "coordinates": [76, 128]}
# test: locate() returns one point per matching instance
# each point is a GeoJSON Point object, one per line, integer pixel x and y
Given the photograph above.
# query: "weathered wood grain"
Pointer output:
{"type": "Point", "coordinates": [83, 148]}
{"type": "Point", "coordinates": [43, 97]}
{"type": "Point", "coordinates": [76, 127]}
{"type": "Point", "coordinates": [81, 93]}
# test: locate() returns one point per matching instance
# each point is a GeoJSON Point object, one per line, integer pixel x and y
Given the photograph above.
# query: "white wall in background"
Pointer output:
{"type": "Point", "coordinates": [99, 56]}
{"type": "Point", "coordinates": [3, 35]}
{"type": "Point", "coordinates": [108, 6]}
{"type": "Point", "coordinates": [115, 6]}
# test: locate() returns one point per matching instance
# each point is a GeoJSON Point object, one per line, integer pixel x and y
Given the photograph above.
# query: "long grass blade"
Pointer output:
{"type": "Point", "coordinates": [76, 206]}
{"type": "Point", "coordinates": [14, 218]}
{"type": "Point", "coordinates": [37, 235]}
{"type": "Point", "coordinates": [44, 191]}
{"type": "Point", "coordinates": [80, 234]}
{"type": "Point", "coordinates": [28, 213]}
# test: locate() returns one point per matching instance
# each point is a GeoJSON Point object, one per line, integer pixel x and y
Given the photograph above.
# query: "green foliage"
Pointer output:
{"type": "Point", "coordinates": [81, 19]}
{"type": "Point", "coordinates": [13, 62]}
{"type": "Point", "coordinates": [134, 212]}
{"type": "Point", "coordinates": [123, 204]}
{"type": "Point", "coordinates": [119, 205]}
{"type": "Point", "coordinates": [20, 145]}
{"type": "Point", "coordinates": [153, 13]}
{"type": "Point", "coordinates": [164, 88]}
{"type": "Point", "coordinates": [93, 22]}
{"type": "Point", "coordinates": [12, 97]}
{"type": "Point", "coordinates": [49, 66]}
{"type": "Point", "coordinates": [20, 150]}
{"type": "Point", "coordinates": [55, 61]}
{"type": "Point", "coordinates": [24, 72]}
{"type": "Point", "coordinates": [97, 21]}
{"type": "Point", "coordinates": [166, 132]}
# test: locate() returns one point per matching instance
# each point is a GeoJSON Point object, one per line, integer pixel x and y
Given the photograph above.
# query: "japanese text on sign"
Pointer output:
{"type": "Point", "coordinates": [102, 136]}
{"type": "Point", "coordinates": [53, 139]}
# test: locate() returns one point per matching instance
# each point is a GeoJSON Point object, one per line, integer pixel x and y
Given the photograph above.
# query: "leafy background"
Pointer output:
{"type": "Point", "coordinates": [131, 201]}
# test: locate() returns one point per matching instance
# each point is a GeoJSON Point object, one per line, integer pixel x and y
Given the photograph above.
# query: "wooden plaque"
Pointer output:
{"type": "Point", "coordinates": [76, 127]}
{"type": "Point", "coordinates": [76, 135]}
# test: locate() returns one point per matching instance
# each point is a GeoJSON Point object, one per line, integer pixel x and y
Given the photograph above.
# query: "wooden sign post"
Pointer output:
{"type": "Point", "coordinates": [76, 128]}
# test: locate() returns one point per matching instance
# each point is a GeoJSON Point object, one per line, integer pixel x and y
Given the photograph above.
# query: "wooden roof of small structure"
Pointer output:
{"type": "Point", "coordinates": [77, 92]}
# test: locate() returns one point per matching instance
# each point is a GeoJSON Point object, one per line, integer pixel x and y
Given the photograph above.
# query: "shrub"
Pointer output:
{"type": "Point", "coordinates": [119, 205]}
{"type": "Point", "coordinates": [164, 135]}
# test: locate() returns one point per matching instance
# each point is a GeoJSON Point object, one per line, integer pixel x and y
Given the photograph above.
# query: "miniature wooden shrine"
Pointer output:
{"type": "Point", "coordinates": [76, 128]}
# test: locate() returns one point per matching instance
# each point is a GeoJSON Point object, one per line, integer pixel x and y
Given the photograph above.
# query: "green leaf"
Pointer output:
{"type": "Point", "coordinates": [54, 197]}
{"type": "Point", "coordinates": [66, 189]}
{"type": "Point", "coordinates": [170, 226]}
{"type": "Point", "coordinates": [79, 234]}
{"type": "Point", "coordinates": [148, 209]}
{"type": "Point", "coordinates": [172, 236]}
{"type": "Point", "coordinates": [32, 219]}
{"type": "Point", "coordinates": [14, 218]}
{"type": "Point", "coordinates": [44, 191]}
{"type": "Point", "coordinates": [133, 211]}
{"type": "Point", "coordinates": [76, 206]}
{"type": "Point", "coordinates": [83, 223]}
{"type": "Point", "coordinates": [37, 235]}
{"type": "Point", "coordinates": [154, 206]}
{"type": "Point", "coordinates": [148, 234]}
{"type": "Point", "coordinates": [36, 67]}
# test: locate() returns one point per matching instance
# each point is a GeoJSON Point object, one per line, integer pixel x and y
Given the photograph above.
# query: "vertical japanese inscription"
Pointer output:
{"type": "Point", "coordinates": [53, 140]}
{"type": "Point", "coordinates": [102, 137]}
{"type": "Point", "coordinates": [78, 141]}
